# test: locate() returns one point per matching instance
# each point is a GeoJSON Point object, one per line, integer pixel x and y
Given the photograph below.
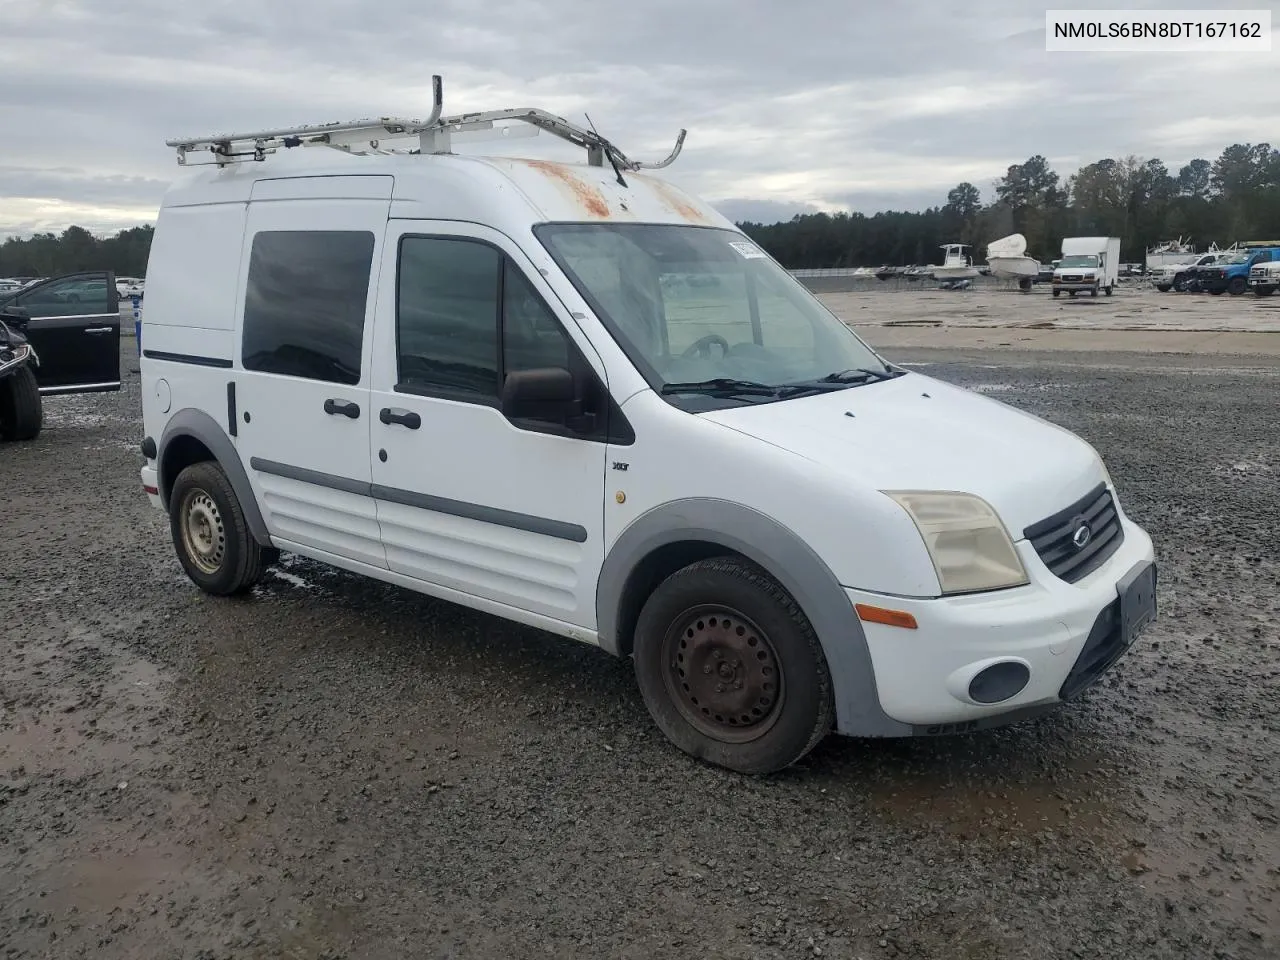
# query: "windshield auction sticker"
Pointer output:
{"type": "Point", "coordinates": [748, 250]}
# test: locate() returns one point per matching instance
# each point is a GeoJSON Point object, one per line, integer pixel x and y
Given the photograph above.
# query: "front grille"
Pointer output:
{"type": "Point", "coordinates": [1053, 537]}
{"type": "Point", "coordinates": [1071, 278]}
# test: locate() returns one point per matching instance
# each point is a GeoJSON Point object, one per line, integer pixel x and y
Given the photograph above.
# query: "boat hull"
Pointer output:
{"type": "Point", "coordinates": [954, 273]}
{"type": "Point", "coordinates": [1013, 266]}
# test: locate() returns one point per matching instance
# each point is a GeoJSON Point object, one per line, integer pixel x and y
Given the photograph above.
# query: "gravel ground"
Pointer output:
{"type": "Point", "coordinates": [336, 768]}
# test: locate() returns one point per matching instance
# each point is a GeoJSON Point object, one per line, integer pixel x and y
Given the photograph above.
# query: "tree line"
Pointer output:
{"type": "Point", "coordinates": [75, 250]}
{"type": "Point", "coordinates": [1233, 198]}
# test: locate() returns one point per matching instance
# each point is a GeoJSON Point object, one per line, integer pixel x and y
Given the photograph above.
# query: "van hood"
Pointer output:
{"type": "Point", "coordinates": [918, 433]}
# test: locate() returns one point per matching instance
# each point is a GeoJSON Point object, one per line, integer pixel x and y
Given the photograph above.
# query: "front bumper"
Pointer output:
{"type": "Point", "coordinates": [1061, 636]}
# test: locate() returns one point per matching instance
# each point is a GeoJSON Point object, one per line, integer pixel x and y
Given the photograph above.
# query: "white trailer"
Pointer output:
{"type": "Point", "coordinates": [1088, 263]}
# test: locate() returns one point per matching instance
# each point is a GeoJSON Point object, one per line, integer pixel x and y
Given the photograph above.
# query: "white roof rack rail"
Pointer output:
{"type": "Point", "coordinates": [434, 134]}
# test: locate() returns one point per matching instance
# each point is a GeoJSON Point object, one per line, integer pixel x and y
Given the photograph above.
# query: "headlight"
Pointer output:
{"type": "Point", "coordinates": [969, 546]}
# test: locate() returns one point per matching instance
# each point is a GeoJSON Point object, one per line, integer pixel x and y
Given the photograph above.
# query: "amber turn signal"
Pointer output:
{"type": "Point", "coordinates": [893, 618]}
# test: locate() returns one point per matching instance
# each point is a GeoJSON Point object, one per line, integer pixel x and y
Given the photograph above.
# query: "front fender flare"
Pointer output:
{"type": "Point", "coordinates": [787, 558]}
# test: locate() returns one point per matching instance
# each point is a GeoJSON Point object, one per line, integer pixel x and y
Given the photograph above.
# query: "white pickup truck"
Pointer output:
{"type": "Point", "coordinates": [1166, 276]}
{"type": "Point", "coordinates": [1264, 278]}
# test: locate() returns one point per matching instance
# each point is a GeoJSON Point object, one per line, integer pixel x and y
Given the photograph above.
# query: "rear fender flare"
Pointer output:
{"type": "Point", "coordinates": [198, 425]}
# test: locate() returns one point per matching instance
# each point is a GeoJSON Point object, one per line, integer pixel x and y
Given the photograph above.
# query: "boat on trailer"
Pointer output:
{"type": "Point", "coordinates": [1008, 260]}
{"type": "Point", "coordinates": [956, 265]}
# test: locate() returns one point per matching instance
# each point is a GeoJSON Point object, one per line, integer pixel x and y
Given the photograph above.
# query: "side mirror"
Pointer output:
{"type": "Point", "coordinates": [15, 316]}
{"type": "Point", "coordinates": [535, 390]}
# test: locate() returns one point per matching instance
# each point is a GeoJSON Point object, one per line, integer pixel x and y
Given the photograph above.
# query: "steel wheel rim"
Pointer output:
{"type": "Point", "coordinates": [723, 674]}
{"type": "Point", "coordinates": [204, 536]}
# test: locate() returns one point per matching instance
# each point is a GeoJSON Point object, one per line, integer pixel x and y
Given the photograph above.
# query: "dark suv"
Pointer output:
{"type": "Point", "coordinates": [67, 330]}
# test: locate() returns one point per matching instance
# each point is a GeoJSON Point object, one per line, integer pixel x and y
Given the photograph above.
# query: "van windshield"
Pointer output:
{"type": "Point", "coordinates": [693, 306]}
{"type": "Point", "coordinates": [1079, 261]}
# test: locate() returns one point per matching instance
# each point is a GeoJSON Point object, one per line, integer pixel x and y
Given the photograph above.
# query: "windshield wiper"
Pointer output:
{"type": "Point", "coordinates": [722, 385]}
{"type": "Point", "coordinates": [860, 375]}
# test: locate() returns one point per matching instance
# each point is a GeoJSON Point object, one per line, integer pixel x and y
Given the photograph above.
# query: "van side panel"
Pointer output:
{"type": "Point", "coordinates": [193, 269]}
{"type": "Point", "coordinates": [188, 318]}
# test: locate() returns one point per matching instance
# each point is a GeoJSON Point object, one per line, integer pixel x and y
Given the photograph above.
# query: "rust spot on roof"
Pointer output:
{"type": "Point", "coordinates": [676, 201]}
{"type": "Point", "coordinates": [586, 195]}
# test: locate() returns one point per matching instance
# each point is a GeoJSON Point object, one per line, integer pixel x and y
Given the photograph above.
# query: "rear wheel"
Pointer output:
{"type": "Point", "coordinates": [730, 668]}
{"type": "Point", "coordinates": [214, 543]}
{"type": "Point", "coordinates": [21, 413]}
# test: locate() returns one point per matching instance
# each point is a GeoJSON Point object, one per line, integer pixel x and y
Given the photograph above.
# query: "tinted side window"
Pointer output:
{"type": "Point", "coordinates": [531, 336]}
{"type": "Point", "coordinates": [305, 303]}
{"type": "Point", "coordinates": [447, 314]}
{"type": "Point", "coordinates": [68, 298]}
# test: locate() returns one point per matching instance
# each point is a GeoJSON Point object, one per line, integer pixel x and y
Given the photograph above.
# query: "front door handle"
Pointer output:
{"type": "Point", "coordinates": [342, 407]}
{"type": "Point", "coordinates": [406, 418]}
{"type": "Point", "coordinates": [98, 329]}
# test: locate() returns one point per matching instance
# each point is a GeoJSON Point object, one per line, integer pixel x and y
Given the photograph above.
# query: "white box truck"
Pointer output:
{"type": "Point", "coordinates": [1088, 263]}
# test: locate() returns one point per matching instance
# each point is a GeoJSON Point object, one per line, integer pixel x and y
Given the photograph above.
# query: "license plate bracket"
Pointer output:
{"type": "Point", "coordinates": [1137, 592]}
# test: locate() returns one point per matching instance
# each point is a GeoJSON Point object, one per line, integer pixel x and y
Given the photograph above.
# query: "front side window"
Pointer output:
{"type": "Point", "coordinates": [466, 316]}
{"type": "Point", "coordinates": [305, 303]}
{"type": "Point", "coordinates": [447, 300]}
{"type": "Point", "coordinates": [697, 306]}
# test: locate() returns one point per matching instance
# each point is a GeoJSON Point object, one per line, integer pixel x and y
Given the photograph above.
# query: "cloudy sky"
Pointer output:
{"type": "Point", "coordinates": [790, 106]}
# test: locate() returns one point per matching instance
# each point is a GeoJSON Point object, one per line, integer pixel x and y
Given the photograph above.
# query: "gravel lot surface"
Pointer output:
{"type": "Point", "coordinates": [335, 768]}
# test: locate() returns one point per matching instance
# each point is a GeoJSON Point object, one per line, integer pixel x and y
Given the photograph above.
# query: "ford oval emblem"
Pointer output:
{"type": "Point", "coordinates": [1081, 536]}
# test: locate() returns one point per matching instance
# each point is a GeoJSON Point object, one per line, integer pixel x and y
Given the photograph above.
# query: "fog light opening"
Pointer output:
{"type": "Point", "coordinates": [999, 682]}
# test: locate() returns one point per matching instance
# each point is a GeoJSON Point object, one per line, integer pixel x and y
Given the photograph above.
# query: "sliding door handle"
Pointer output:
{"type": "Point", "coordinates": [406, 418]}
{"type": "Point", "coordinates": [343, 407]}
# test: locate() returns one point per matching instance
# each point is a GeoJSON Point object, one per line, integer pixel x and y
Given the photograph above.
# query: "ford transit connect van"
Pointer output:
{"type": "Point", "coordinates": [575, 396]}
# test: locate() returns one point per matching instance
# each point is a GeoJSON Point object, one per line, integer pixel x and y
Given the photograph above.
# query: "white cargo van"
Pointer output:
{"type": "Point", "coordinates": [574, 396]}
{"type": "Point", "coordinates": [1088, 263]}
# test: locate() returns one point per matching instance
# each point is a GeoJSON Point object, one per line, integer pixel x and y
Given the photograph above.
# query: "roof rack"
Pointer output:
{"type": "Point", "coordinates": [435, 135]}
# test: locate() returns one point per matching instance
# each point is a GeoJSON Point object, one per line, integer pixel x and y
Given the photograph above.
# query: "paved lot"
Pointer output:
{"type": "Point", "coordinates": [1134, 306]}
{"type": "Point", "coordinates": [334, 768]}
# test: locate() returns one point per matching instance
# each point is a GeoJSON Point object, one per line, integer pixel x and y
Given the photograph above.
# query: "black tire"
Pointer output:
{"type": "Point", "coordinates": [1163, 287]}
{"type": "Point", "coordinates": [1093, 292]}
{"type": "Point", "coordinates": [1179, 286]}
{"type": "Point", "coordinates": [1110, 290]}
{"type": "Point", "coordinates": [778, 704]}
{"type": "Point", "coordinates": [21, 412]}
{"type": "Point", "coordinates": [203, 502]}
{"type": "Point", "coordinates": [1261, 291]}
{"type": "Point", "coordinates": [1237, 286]}
{"type": "Point", "coordinates": [1024, 283]}
{"type": "Point", "coordinates": [1057, 292]}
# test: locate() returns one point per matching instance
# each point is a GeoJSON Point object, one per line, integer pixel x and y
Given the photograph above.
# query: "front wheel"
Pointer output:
{"type": "Point", "coordinates": [1057, 293]}
{"type": "Point", "coordinates": [1237, 286]}
{"type": "Point", "coordinates": [21, 412]}
{"type": "Point", "coordinates": [730, 668]}
{"type": "Point", "coordinates": [1261, 291]}
{"type": "Point", "coordinates": [214, 543]}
